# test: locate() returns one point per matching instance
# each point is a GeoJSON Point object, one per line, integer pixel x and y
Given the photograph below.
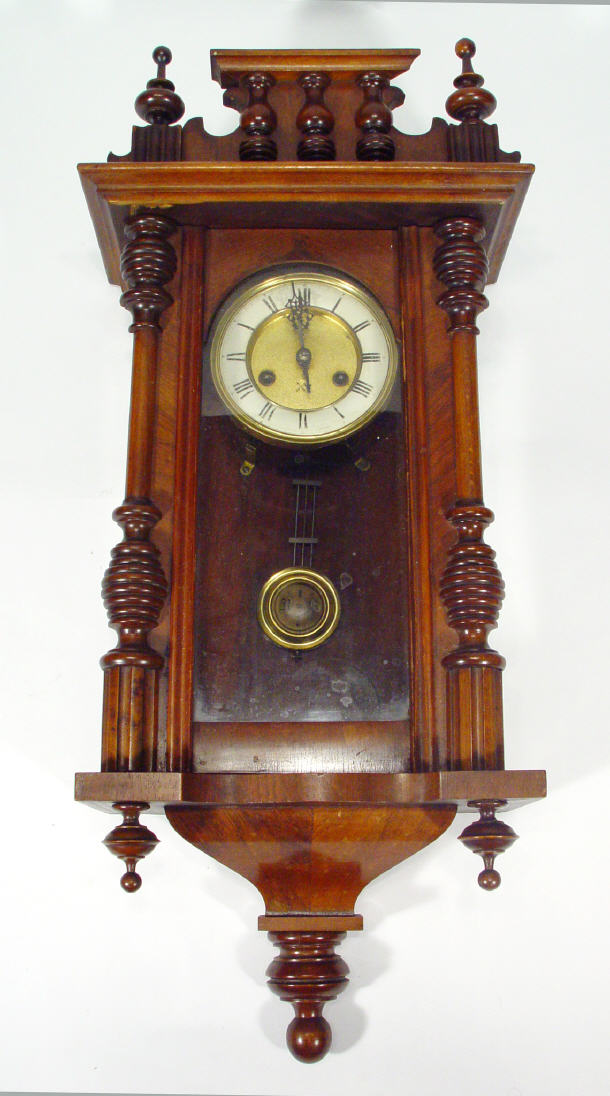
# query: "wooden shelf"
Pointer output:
{"type": "Point", "coordinates": [517, 787]}
{"type": "Point", "coordinates": [331, 195]}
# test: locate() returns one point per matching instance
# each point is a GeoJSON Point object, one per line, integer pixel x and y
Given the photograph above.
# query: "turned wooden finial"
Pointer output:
{"type": "Point", "coordinates": [131, 841]}
{"type": "Point", "coordinates": [471, 101]}
{"type": "Point", "coordinates": [488, 838]}
{"type": "Point", "coordinates": [307, 973]}
{"type": "Point", "coordinates": [160, 102]}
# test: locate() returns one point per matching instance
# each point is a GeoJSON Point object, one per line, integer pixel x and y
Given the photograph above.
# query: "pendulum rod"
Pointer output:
{"type": "Point", "coordinates": [304, 539]}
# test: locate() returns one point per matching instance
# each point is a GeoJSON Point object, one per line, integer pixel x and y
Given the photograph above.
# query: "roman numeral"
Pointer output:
{"type": "Point", "coordinates": [271, 305]}
{"type": "Point", "coordinates": [337, 303]}
{"type": "Point", "coordinates": [266, 410]}
{"type": "Point", "coordinates": [360, 326]}
{"type": "Point", "coordinates": [335, 408]}
{"type": "Point", "coordinates": [240, 356]}
{"type": "Point", "coordinates": [373, 356]}
{"type": "Point", "coordinates": [302, 420]}
{"type": "Point", "coordinates": [243, 387]}
{"type": "Point", "coordinates": [362, 388]}
{"type": "Point", "coordinates": [246, 325]}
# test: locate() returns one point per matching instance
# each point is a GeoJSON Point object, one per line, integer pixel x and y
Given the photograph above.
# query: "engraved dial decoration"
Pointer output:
{"type": "Point", "coordinates": [302, 355]}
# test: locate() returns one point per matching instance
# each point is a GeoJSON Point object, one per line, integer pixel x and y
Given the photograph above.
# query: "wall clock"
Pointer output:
{"type": "Point", "coordinates": [303, 595]}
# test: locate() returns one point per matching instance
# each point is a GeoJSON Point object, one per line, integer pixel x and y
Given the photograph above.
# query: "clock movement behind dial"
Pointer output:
{"type": "Point", "coordinates": [302, 680]}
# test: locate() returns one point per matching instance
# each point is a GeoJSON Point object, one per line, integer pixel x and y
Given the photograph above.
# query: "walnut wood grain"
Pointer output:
{"type": "Point", "coordinates": [263, 86]}
{"type": "Point", "coordinates": [471, 586]}
{"type": "Point", "coordinates": [159, 103]}
{"type": "Point", "coordinates": [374, 119]}
{"type": "Point", "coordinates": [310, 859]}
{"type": "Point", "coordinates": [187, 412]}
{"type": "Point", "coordinates": [222, 622]}
{"type": "Point", "coordinates": [134, 586]}
{"type": "Point", "coordinates": [425, 747]}
{"type": "Point", "coordinates": [488, 837]}
{"type": "Point", "coordinates": [287, 64]}
{"type": "Point", "coordinates": [307, 973]}
{"type": "Point", "coordinates": [315, 120]}
{"type": "Point", "coordinates": [384, 789]}
{"type": "Point", "coordinates": [326, 746]}
{"type": "Point", "coordinates": [326, 195]}
{"type": "Point", "coordinates": [131, 841]}
{"type": "Point", "coordinates": [309, 812]}
{"type": "Point", "coordinates": [470, 104]}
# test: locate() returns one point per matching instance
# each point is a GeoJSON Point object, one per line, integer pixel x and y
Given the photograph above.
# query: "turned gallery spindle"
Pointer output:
{"type": "Point", "coordinates": [374, 118]}
{"type": "Point", "coordinates": [315, 120]}
{"type": "Point", "coordinates": [258, 119]}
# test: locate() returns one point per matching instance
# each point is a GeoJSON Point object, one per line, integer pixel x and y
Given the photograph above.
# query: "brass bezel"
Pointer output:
{"type": "Point", "coordinates": [280, 635]}
{"type": "Point", "coordinates": [265, 282]}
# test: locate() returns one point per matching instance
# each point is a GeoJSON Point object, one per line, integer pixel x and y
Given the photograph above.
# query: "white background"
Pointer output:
{"type": "Point", "coordinates": [453, 991]}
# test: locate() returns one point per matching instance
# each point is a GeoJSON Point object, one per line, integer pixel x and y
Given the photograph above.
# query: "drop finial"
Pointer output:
{"type": "Point", "coordinates": [131, 842]}
{"type": "Point", "coordinates": [160, 103]}
{"type": "Point", "coordinates": [488, 837]}
{"type": "Point", "coordinates": [307, 973]}
{"type": "Point", "coordinates": [471, 101]}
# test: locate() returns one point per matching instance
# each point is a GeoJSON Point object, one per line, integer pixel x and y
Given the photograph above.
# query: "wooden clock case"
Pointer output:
{"type": "Point", "coordinates": [308, 811]}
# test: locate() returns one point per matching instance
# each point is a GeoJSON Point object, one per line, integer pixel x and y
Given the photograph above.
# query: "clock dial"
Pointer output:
{"type": "Point", "coordinates": [303, 355]}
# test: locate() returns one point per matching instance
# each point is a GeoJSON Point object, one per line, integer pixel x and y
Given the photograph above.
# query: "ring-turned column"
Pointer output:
{"type": "Point", "coordinates": [471, 587]}
{"type": "Point", "coordinates": [134, 586]}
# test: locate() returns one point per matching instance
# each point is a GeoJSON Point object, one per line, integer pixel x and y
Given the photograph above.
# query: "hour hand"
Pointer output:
{"type": "Point", "coordinates": [299, 311]}
{"type": "Point", "coordinates": [300, 314]}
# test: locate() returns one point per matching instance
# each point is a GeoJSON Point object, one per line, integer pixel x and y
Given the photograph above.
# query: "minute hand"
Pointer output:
{"type": "Point", "coordinates": [299, 316]}
{"type": "Point", "coordinates": [303, 357]}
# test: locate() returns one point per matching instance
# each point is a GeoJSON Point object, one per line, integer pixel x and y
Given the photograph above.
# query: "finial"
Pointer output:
{"type": "Point", "coordinates": [471, 101]}
{"type": "Point", "coordinates": [488, 837]}
{"type": "Point", "coordinates": [160, 103]}
{"type": "Point", "coordinates": [308, 973]}
{"type": "Point", "coordinates": [162, 57]}
{"type": "Point", "coordinates": [130, 841]}
{"type": "Point", "coordinates": [465, 49]}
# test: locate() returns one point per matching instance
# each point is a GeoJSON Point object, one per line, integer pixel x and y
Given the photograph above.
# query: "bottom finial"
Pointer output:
{"type": "Point", "coordinates": [488, 838]}
{"type": "Point", "coordinates": [131, 841]}
{"type": "Point", "coordinates": [308, 973]}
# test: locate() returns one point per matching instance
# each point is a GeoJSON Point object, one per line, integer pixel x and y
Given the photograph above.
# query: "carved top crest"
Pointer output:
{"type": "Point", "coordinates": [333, 105]}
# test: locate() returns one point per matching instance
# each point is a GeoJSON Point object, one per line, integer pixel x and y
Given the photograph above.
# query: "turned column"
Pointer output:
{"type": "Point", "coordinates": [134, 586]}
{"type": "Point", "coordinates": [471, 586]}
